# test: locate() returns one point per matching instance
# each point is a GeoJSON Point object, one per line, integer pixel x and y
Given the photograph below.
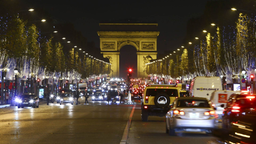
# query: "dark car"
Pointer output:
{"type": "Point", "coordinates": [27, 99]}
{"type": "Point", "coordinates": [243, 130]}
{"type": "Point", "coordinates": [236, 106]}
{"type": "Point", "coordinates": [66, 97]}
{"type": "Point", "coordinates": [97, 95]}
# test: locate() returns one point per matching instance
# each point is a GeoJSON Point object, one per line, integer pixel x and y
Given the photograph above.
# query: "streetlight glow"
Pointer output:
{"type": "Point", "coordinates": [80, 48]}
{"type": "Point", "coordinates": [170, 54]}
{"type": "Point", "coordinates": [63, 38]}
{"type": "Point", "coordinates": [178, 49]}
{"type": "Point", "coordinates": [68, 41]}
{"type": "Point", "coordinates": [75, 46]}
{"type": "Point", "coordinates": [43, 20]}
{"type": "Point", "coordinates": [55, 31]}
{"type": "Point", "coordinates": [174, 51]}
{"type": "Point", "coordinates": [182, 47]}
{"type": "Point", "coordinates": [196, 38]}
{"type": "Point", "coordinates": [204, 31]}
{"type": "Point", "coordinates": [213, 24]}
{"type": "Point", "coordinates": [233, 9]}
{"type": "Point", "coordinates": [31, 10]}
{"type": "Point", "coordinates": [190, 43]}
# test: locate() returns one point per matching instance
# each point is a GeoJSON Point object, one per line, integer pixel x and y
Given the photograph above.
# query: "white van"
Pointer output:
{"type": "Point", "coordinates": [220, 97]}
{"type": "Point", "coordinates": [204, 86]}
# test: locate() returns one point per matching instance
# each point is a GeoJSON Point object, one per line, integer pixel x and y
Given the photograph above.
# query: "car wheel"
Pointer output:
{"type": "Point", "coordinates": [18, 106]}
{"type": "Point", "coordinates": [144, 116]}
{"type": "Point", "coordinates": [72, 103]}
{"type": "Point", "coordinates": [34, 105]}
{"type": "Point", "coordinates": [166, 130]}
{"type": "Point", "coordinates": [171, 132]}
{"type": "Point", "coordinates": [60, 103]}
{"type": "Point", "coordinates": [37, 105]}
{"type": "Point", "coordinates": [22, 106]}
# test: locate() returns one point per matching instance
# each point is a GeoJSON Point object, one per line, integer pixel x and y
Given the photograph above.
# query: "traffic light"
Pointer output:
{"type": "Point", "coordinates": [130, 70]}
{"type": "Point", "coordinates": [38, 80]}
{"type": "Point", "coordinates": [177, 81]}
{"type": "Point", "coordinates": [252, 77]}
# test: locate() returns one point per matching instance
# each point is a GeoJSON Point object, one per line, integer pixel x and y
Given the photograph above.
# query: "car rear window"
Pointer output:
{"type": "Point", "coordinates": [193, 103]}
{"type": "Point", "coordinates": [246, 102]}
{"type": "Point", "coordinates": [169, 92]}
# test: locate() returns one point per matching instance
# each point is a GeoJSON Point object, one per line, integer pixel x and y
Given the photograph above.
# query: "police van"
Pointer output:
{"type": "Point", "coordinates": [203, 86]}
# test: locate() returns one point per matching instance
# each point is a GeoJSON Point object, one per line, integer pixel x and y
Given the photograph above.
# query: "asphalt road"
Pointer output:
{"type": "Point", "coordinates": [153, 132]}
{"type": "Point", "coordinates": [96, 123]}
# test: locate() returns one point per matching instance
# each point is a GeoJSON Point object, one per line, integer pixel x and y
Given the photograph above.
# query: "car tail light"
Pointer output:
{"type": "Point", "coordinates": [146, 99]}
{"type": "Point", "coordinates": [207, 113]}
{"type": "Point", "coordinates": [145, 107]}
{"type": "Point", "coordinates": [250, 97]}
{"type": "Point", "coordinates": [235, 109]}
{"type": "Point", "coordinates": [178, 112]}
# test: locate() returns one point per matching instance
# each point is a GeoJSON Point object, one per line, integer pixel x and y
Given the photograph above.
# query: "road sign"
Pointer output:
{"type": "Point", "coordinates": [243, 80]}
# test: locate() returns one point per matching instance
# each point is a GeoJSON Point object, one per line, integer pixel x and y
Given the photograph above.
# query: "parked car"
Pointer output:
{"type": "Point", "coordinates": [191, 114]}
{"type": "Point", "coordinates": [27, 99]}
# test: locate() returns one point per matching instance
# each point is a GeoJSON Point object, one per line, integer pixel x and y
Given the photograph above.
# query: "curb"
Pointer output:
{"type": "Point", "coordinates": [127, 127]}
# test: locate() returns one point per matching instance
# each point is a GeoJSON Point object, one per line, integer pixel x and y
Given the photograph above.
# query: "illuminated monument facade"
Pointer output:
{"type": "Point", "coordinates": [143, 36]}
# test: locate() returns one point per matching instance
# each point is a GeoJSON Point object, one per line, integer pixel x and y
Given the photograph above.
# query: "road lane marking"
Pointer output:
{"type": "Point", "coordinates": [127, 127]}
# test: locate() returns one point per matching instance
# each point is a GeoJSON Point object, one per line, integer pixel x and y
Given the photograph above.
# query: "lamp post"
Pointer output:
{"type": "Point", "coordinates": [242, 80]}
{"type": "Point", "coordinates": [4, 71]}
{"type": "Point", "coordinates": [16, 72]}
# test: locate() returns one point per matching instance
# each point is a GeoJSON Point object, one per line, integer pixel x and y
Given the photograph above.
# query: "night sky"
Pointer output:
{"type": "Point", "coordinates": [171, 15]}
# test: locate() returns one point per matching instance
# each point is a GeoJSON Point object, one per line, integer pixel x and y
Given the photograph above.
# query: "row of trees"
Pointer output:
{"type": "Point", "coordinates": [24, 47]}
{"type": "Point", "coordinates": [227, 48]}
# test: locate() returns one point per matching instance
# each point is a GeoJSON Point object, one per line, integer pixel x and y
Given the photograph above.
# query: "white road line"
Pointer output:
{"type": "Point", "coordinates": [127, 127]}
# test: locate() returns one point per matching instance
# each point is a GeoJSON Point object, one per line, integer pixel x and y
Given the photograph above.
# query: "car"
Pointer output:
{"type": "Point", "coordinates": [243, 130]}
{"type": "Point", "coordinates": [237, 104]}
{"type": "Point", "coordinates": [157, 100]}
{"type": "Point", "coordinates": [27, 99]}
{"type": "Point", "coordinates": [191, 114]}
{"type": "Point", "coordinates": [220, 97]}
{"type": "Point", "coordinates": [97, 95]}
{"type": "Point", "coordinates": [65, 97]}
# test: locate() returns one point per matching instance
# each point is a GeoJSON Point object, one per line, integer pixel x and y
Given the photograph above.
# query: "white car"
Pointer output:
{"type": "Point", "coordinates": [191, 114]}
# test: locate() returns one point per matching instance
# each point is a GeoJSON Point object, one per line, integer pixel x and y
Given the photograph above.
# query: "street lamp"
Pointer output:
{"type": "Point", "coordinates": [31, 10]}
{"type": "Point", "coordinates": [233, 9]}
{"type": "Point", "coordinates": [204, 31]}
{"type": "Point", "coordinates": [43, 20]}
{"type": "Point", "coordinates": [182, 47]}
{"type": "Point", "coordinates": [190, 43]}
{"type": "Point", "coordinates": [213, 24]}
{"type": "Point", "coordinates": [64, 38]}
{"type": "Point", "coordinates": [196, 38]}
{"type": "Point", "coordinates": [243, 72]}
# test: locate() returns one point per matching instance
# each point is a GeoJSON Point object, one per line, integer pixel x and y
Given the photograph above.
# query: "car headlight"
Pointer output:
{"type": "Point", "coordinates": [18, 100]}
{"type": "Point", "coordinates": [51, 95]}
{"type": "Point", "coordinates": [93, 97]}
{"type": "Point", "coordinates": [58, 97]}
{"type": "Point", "coordinates": [31, 101]}
{"type": "Point", "coordinates": [100, 97]}
{"type": "Point", "coordinates": [71, 99]}
{"type": "Point", "coordinates": [117, 96]}
{"type": "Point", "coordinates": [105, 96]}
{"type": "Point", "coordinates": [115, 88]}
{"type": "Point", "coordinates": [61, 99]}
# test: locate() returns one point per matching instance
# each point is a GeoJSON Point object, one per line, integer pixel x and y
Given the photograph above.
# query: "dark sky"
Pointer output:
{"type": "Point", "coordinates": [172, 15]}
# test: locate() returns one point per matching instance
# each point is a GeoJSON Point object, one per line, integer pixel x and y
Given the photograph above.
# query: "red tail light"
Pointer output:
{"type": "Point", "coordinates": [146, 99]}
{"type": "Point", "coordinates": [250, 97]}
{"type": "Point", "coordinates": [207, 113]}
{"type": "Point", "coordinates": [235, 109]}
{"type": "Point", "coordinates": [145, 107]}
{"type": "Point", "coordinates": [178, 112]}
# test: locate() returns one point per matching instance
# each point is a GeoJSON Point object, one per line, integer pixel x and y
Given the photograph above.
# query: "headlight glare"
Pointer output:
{"type": "Point", "coordinates": [31, 101]}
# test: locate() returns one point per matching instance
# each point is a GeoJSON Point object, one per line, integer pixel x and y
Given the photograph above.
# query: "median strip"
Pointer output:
{"type": "Point", "coordinates": [127, 127]}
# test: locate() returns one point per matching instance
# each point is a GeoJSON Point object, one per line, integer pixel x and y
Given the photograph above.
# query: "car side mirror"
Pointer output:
{"type": "Point", "coordinates": [222, 105]}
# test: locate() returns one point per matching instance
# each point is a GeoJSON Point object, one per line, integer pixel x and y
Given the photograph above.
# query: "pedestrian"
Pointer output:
{"type": "Point", "coordinates": [86, 97]}
{"type": "Point", "coordinates": [77, 97]}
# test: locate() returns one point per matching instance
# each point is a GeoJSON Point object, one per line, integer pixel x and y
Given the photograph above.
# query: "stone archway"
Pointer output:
{"type": "Point", "coordinates": [143, 36]}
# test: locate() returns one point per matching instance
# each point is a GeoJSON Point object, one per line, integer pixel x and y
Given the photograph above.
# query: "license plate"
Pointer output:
{"type": "Point", "coordinates": [193, 130]}
{"type": "Point", "coordinates": [194, 115]}
{"type": "Point", "coordinates": [25, 103]}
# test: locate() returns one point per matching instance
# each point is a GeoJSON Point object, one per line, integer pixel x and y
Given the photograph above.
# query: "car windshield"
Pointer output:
{"type": "Point", "coordinates": [65, 95]}
{"type": "Point", "coordinates": [169, 92]}
{"type": "Point", "coordinates": [193, 103]}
